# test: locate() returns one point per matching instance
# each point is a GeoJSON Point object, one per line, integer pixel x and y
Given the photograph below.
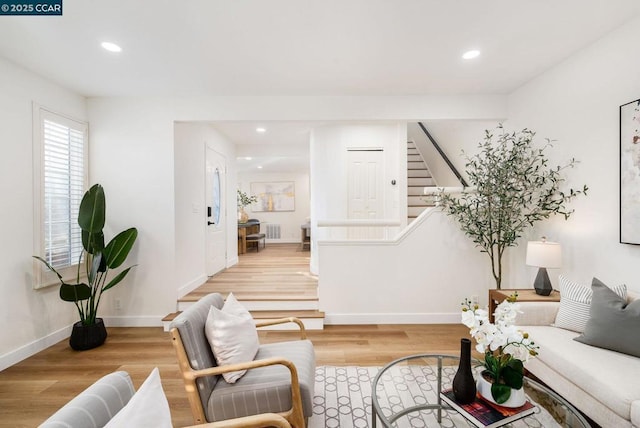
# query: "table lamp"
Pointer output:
{"type": "Point", "coordinates": [543, 254]}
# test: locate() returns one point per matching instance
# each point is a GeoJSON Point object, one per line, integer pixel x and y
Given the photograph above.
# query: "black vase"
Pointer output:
{"type": "Point", "coordinates": [85, 337]}
{"type": "Point", "coordinates": [464, 386]}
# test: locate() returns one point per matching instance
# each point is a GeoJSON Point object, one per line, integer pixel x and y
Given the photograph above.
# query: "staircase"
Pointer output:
{"type": "Point", "coordinates": [418, 177]}
{"type": "Point", "coordinates": [273, 283]}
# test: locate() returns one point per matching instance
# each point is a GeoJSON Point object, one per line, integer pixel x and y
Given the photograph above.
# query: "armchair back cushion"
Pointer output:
{"type": "Point", "coordinates": [96, 405]}
{"type": "Point", "coordinates": [191, 325]}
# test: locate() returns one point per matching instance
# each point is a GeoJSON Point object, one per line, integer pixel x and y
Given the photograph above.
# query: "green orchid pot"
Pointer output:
{"type": "Point", "coordinates": [517, 397]}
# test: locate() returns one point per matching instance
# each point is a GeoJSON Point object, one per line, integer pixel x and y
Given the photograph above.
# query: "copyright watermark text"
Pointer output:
{"type": "Point", "coordinates": [30, 7]}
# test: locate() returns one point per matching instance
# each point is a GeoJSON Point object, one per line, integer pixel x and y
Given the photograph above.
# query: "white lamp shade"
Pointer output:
{"type": "Point", "coordinates": [544, 254]}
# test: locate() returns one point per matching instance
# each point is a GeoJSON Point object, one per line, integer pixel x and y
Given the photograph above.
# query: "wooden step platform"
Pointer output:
{"type": "Point", "coordinates": [274, 283]}
{"type": "Point", "coordinates": [312, 319]}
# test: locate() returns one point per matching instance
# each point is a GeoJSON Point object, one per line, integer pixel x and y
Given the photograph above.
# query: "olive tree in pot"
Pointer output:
{"type": "Point", "coordinates": [96, 260]}
{"type": "Point", "coordinates": [515, 188]}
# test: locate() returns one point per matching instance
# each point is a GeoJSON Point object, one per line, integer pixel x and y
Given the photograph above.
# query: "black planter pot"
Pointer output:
{"type": "Point", "coordinates": [85, 337]}
{"type": "Point", "coordinates": [464, 385]}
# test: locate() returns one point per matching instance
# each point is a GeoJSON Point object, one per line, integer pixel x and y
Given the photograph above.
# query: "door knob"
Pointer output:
{"type": "Point", "coordinates": [209, 223]}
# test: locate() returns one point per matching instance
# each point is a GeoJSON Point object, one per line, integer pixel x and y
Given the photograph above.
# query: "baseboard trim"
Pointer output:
{"type": "Point", "coordinates": [191, 285]}
{"type": "Point", "coordinates": [133, 321]}
{"type": "Point", "coordinates": [393, 318]}
{"type": "Point", "coordinates": [232, 261]}
{"type": "Point", "coordinates": [24, 352]}
{"type": "Point", "coordinates": [283, 241]}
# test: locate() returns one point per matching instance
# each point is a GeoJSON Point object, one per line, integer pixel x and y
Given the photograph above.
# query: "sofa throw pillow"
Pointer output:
{"type": "Point", "coordinates": [575, 301]}
{"type": "Point", "coordinates": [147, 408]}
{"type": "Point", "coordinates": [613, 324]}
{"type": "Point", "coordinates": [233, 338]}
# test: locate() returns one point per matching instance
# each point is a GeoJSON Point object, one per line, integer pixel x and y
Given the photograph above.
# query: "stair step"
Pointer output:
{"type": "Point", "coordinates": [312, 319]}
{"type": "Point", "coordinates": [420, 182]}
{"type": "Point", "coordinates": [258, 304]}
{"type": "Point", "coordinates": [418, 173]}
{"type": "Point", "coordinates": [418, 201]}
{"type": "Point", "coordinates": [416, 211]}
{"type": "Point", "coordinates": [269, 315]}
{"type": "Point", "coordinates": [170, 317]}
{"type": "Point", "coordinates": [418, 190]}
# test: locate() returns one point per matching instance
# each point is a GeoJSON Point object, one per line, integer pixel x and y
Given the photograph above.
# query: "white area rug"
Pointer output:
{"type": "Point", "coordinates": [343, 398]}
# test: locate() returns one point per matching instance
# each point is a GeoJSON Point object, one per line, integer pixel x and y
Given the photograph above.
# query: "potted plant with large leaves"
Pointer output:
{"type": "Point", "coordinates": [96, 260]}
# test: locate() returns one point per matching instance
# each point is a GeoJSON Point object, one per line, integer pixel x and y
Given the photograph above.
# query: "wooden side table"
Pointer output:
{"type": "Point", "coordinates": [524, 295]}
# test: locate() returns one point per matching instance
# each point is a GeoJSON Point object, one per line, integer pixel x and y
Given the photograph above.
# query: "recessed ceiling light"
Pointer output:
{"type": "Point", "coordinates": [111, 47]}
{"type": "Point", "coordinates": [248, 158]}
{"type": "Point", "coordinates": [259, 167]}
{"type": "Point", "coordinates": [261, 130]}
{"type": "Point", "coordinates": [471, 54]}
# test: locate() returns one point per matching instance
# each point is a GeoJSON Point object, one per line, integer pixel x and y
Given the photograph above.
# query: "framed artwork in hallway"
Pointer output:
{"type": "Point", "coordinates": [274, 196]}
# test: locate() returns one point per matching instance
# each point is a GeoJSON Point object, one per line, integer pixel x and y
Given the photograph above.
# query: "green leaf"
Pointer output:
{"type": "Point", "coordinates": [51, 268]}
{"type": "Point", "coordinates": [500, 392]}
{"type": "Point", "coordinates": [92, 210]}
{"type": "Point", "coordinates": [513, 373]}
{"type": "Point", "coordinates": [92, 242]}
{"type": "Point", "coordinates": [119, 247]}
{"type": "Point", "coordinates": [116, 279]}
{"type": "Point", "coordinates": [74, 292]}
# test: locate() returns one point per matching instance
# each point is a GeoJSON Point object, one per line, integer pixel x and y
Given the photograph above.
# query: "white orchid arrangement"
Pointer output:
{"type": "Point", "coordinates": [504, 346]}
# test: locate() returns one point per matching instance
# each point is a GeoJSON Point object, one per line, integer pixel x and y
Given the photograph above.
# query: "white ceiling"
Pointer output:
{"type": "Point", "coordinates": [304, 47]}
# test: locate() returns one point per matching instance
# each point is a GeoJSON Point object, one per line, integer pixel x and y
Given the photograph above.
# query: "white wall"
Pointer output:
{"type": "Point", "coordinates": [32, 319]}
{"type": "Point", "coordinates": [290, 221]}
{"type": "Point", "coordinates": [421, 277]}
{"type": "Point", "coordinates": [577, 104]}
{"type": "Point", "coordinates": [329, 173]}
{"type": "Point", "coordinates": [190, 140]}
{"type": "Point", "coordinates": [132, 157]}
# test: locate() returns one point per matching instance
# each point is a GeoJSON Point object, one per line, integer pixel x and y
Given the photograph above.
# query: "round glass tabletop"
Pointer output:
{"type": "Point", "coordinates": [406, 393]}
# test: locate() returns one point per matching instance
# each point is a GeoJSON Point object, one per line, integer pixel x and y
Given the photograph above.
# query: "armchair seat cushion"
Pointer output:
{"type": "Point", "coordinates": [266, 389]}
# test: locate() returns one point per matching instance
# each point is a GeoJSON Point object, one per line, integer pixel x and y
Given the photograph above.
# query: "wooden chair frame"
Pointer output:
{"type": "Point", "coordinates": [294, 416]}
{"type": "Point", "coordinates": [255, 421]}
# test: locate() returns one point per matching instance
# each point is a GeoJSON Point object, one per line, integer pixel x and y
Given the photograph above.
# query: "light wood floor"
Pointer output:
{"type": "Point", "coordinates": [33, 389]}
{"type": "Point", "coordinates": [277, 272]}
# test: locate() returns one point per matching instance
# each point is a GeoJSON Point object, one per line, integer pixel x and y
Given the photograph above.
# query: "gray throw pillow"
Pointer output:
{"type": "Point", "coordinates": [613, 324]}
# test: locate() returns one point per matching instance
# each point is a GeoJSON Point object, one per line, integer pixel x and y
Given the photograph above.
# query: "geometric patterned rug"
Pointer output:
{"type": "Point", "coordinates": [343, 398]}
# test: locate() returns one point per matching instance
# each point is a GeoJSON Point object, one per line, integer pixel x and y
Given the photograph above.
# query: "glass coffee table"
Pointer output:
{"type": "Point", "coordinates": [406, 393]}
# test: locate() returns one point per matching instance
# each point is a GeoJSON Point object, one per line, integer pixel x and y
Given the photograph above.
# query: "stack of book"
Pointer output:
{"type": "Point", "coordinates": [484, 414]}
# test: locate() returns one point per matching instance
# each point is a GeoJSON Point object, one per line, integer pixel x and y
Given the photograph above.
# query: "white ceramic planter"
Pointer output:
{"type": "Point", "coordinates": [516, 399]}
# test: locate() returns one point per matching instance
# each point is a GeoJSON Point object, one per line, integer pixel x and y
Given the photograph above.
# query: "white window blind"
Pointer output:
{"type": "Point", "coordinates": [63, 189]}
{"type": "Point", "coordinates": [60, 180]}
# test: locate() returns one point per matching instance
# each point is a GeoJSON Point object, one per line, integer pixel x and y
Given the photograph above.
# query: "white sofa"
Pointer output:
{"type": "Point", "coordinates": [603, 384]}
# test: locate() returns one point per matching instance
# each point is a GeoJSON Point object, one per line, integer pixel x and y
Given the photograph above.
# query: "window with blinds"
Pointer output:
{"type": "Point", "coordinates": [60, 180]}
{"type": "Point", "coordinates": [63, 189]}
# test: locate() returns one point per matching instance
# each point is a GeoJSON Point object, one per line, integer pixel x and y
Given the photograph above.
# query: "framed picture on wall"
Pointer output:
{"type": "Point", "coordinates": [630, 173]}
{"type": "Point", "coordinates": [274, 196]}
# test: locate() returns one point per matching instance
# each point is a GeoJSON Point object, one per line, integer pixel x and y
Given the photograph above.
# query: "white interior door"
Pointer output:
{"type": "Point", "coordinates": [365, 191]}
{"type": "Point", "coordinates": [216, 246]}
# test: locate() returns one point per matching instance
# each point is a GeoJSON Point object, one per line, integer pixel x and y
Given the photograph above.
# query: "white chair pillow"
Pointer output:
{"type": "Point", "coordinates": [233, 336]}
